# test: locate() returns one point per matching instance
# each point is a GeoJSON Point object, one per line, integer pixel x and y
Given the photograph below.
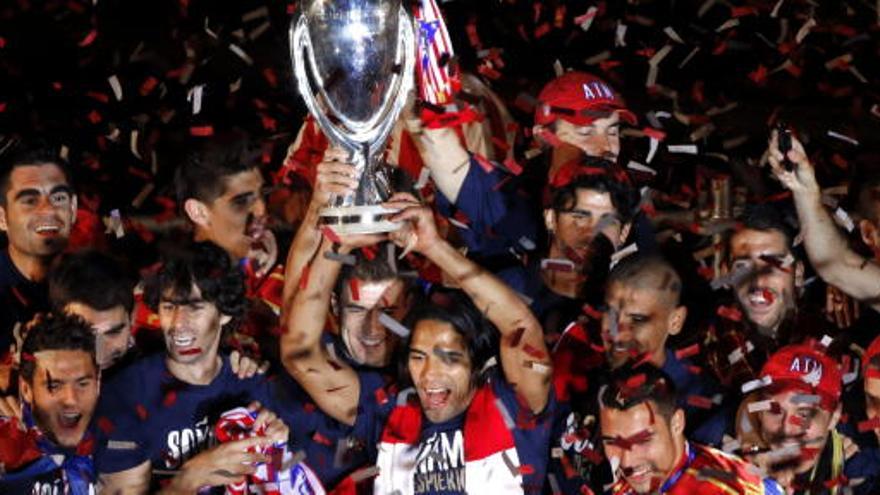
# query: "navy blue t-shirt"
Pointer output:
{"type": "Point", "coordinates": [20, 299]}
{"type": "Point", "coordinates": [149, 415]}
{"type": "Point", "coordinates": [332, 449]}
{"type": "Point", "coordinates": [49, 483]}
{"type": "Point", "coordinates": [497, 217]}
{"type": "Point", "coordinates": [441, 467]}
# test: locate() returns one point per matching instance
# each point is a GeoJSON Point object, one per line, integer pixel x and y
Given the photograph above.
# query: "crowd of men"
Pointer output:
{"type": "Point", "coordinates": [522, 331]}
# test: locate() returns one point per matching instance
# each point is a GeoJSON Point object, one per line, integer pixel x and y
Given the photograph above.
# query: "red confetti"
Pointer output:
{"type": "Point", "coordinates": [353, 285]}
{"type": "Point", "coordinates": [89, 39]}
{"type": "Point", "coordinates": [868, 425]}
{"type": "Point", "coordinates": [201, 131]}
{"type": "Point", "coordinates": [304, 278]}
{"type": "Point", "coordinates": [141, 412]}
{"type": "Point", "coordinates": [330, 234]}
{"type": "Point", "coordinates": [691, 350]}
{"type": "Point", "coordinates": [318, 437]}
{"type": "Point", "coordinates": [148, 86]}
{"type": "Point", "coordinates": [484, 163]}
{"type": "Point", "coordinates": [699, 401]}
{"type": "Point", "coordinates": [105, 425]}
{"type": "Point", "coordinates": [514, 167]}
{"type": "Point", "coordinates": [729, 313]}
{"type": "Point", "coordinates": [169, 399]}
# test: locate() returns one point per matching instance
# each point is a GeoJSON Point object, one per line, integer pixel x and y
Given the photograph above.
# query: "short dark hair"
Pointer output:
{"type": "Point", "coordinates": [36, 151]}
{"type": "Point", "coordinates": [764, 218]}
{"type": "Point", "coordinates": [375, 268]}
{"type": "Point", "coordinates": [205, 168]}
{"type": "Point", "coordinates": [646, 268]}
{"type": "Point", "coordinates": [208, 267]}
{"type": "Point", "coordinates": [623, 197]}
{"type": "Point", "coordinates": [629, 386]}
{"type": "Point", "coordinates": [91, 278]}
{"type": "Point", "coordinates": [455, 308]}
{"type": "Point", "coordinates": [55, 332]}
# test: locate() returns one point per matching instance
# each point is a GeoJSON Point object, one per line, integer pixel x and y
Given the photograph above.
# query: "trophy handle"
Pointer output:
{"type": "Point", "coordinates": [376, 130]}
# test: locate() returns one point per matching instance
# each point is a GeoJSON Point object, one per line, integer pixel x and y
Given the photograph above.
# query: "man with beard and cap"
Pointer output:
{"type": "Point", "coordinates": [642, 435]}
{"type": "Point", "coordinates": [789, 426]}
{"type": "Point", "coordinates": [37, 212]}
{"type": "Point", "coordinates": [46, 447]}
{"type": "Point", "coordinates": [463, 428]}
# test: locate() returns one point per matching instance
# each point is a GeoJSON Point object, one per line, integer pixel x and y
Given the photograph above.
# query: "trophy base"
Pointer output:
{"type": "Point", "coordinates": [363, 219]}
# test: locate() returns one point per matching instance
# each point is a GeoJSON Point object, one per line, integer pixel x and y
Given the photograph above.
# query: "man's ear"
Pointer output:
{"type": "Point", "coordinates": [197, 212]}
{"type": "Point", "coordinates": [224, 319]}
{"type": "Point", "coordinates": [73, 205]}
{"type": "Point", "coordinates": [25, 391]}
{"type": "Point", "coordinates": [869, 233]}
{"type": "Point", "coordinates": [334, 304]}
{"type": "Point", "coordinates": [676, 423]}
{"type": "Point", "coordinates": [835, 418]}
{"type": "Point", "coordinates": [799, 274]}
{"type": "Point", "coordinates": [550, 220]}
{"type": "Point", "coordinates": [3, 225]}
{"type": "Point", "coordinates": [677, 319]}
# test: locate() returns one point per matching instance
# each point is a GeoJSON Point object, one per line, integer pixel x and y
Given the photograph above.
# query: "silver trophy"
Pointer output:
{"type": "Point", "coordinates": [354, 62]}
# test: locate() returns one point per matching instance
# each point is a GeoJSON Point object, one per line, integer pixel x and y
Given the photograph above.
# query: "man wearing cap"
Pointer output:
{"type": "Point", "coordinates": [795, 415]}
{"type": "Point", "coordinates": [580, 113]}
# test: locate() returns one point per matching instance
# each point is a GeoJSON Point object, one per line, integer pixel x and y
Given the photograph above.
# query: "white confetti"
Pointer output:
{"type": "Point", "coordinates": [687, 149]}
{"type": "Point", "coordinates": [842, 137]}
{"type": "Point", "coordinates": [763, 405]}
{"type": "Point", "coordinates": [117, 88]}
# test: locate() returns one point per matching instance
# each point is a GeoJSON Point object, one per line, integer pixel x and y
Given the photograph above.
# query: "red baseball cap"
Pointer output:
{"type": "Point", "coordinates": [579, 98]}
{"type": "Point", "coordinates": [805, 366]}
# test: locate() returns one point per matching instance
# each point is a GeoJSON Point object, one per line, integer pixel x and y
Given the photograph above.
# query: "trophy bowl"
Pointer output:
{"type": "Point", "coordinates": [354, 63]}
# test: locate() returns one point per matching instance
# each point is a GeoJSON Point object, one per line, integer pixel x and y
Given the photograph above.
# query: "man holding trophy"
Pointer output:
{"type": "Point", "coordinates": [453, 430]}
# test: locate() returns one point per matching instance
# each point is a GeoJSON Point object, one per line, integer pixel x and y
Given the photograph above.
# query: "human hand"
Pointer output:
{"type": "Point", "coordinates": [802, 177]}
{"type": "Point", "coordinates": [244, 367]}
{"type": "Point", "coordinates": [335, 176]}
{"type": "Point", "coordinates": [419, 230]}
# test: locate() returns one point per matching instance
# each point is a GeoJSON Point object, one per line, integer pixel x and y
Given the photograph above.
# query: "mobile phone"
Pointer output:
{"type": "Point", "coordinates": [783, 141]}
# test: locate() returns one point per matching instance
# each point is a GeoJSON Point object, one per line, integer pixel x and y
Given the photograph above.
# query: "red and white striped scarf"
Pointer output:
{"type": "Point", "coordinates": [490, 456]}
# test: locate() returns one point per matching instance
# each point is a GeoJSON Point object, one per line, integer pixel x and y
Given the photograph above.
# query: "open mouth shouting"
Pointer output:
{"type": "Point", "coordinates": [435, 397]}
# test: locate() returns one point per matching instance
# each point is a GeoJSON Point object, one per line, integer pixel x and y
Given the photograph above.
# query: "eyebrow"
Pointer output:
{"type": "Point", "coordinates": [32, 191]}
{"type": "Point", "coordinates": [244, 195]}
{"type": "Point", "coordinates": [115, 328]}
{"type": "Point", "coordinates": [181, 301]}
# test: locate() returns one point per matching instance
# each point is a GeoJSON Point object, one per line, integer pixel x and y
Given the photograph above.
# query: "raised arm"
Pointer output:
{"type": "Point", "coordinates": [331, 383]}
{"type": "Point", "coordinates": [444, 155]}
{"type": "Point", "coordinates": [334, 177]}
{"type": "Point", "coordinates": [826, 247]}
{"type": "Point", "coordinates": [524, 356]}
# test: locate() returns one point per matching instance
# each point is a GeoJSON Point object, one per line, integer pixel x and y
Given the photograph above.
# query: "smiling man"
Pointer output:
{"type": "Point", "coordinates": [159, 412]}
{"type": "Point", "coordinates": [642, 434]}
{"type": "Point", "coordinates": [93, 286]}
{"type": "Point", "coordinates": [448, 434]}
{"type": "Point", "coordinates": [798, 422]}
{"type": "Point", "coordinates": [37, 211]}
{"type": "Point", "coordinates": [50, 449]}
